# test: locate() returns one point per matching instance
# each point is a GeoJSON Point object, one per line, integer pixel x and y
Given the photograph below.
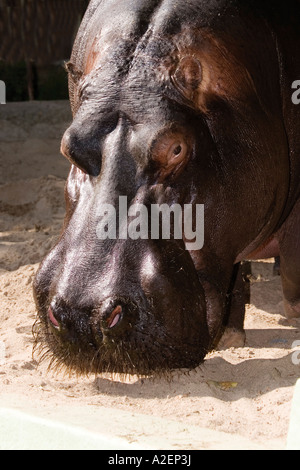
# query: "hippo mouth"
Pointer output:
{"type": "Point", "coordinates": [140, 350]}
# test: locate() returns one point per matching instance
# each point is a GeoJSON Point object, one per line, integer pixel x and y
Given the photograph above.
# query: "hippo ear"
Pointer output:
{"type": "Point", "coordinates": [73, 71]}
{"type": "Point", "coordinates": [75, 76]}
{"type": "Point", "coordinates": [188, 76]}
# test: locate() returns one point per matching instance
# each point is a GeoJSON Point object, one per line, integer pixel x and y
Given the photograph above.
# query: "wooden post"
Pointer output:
{"type": "Point", "coordinates": [30, 79]}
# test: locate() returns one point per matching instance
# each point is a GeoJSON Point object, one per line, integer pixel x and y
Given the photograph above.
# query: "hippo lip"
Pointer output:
{"type": "Point", "coordinates": [158, 353]}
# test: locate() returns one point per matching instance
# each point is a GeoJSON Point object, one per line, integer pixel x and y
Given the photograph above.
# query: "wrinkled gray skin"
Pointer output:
{"type": "Point", "coordinates": [173, 102]}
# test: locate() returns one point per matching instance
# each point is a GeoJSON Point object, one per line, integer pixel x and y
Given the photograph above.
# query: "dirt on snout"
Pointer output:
{"type": "Point", "coordinates": [245, 391]}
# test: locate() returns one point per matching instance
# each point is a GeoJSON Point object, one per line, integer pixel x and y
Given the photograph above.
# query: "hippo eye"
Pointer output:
{"type": "Point", "coordinates": [177, 150]}
{"type": "Point", "coordinates": [171, 152]}
{"type": "Point", "coordinates": [176, 153]}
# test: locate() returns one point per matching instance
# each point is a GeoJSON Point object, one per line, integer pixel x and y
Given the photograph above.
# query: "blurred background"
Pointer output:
{"type": "Point", "coordinates": [36, 38]}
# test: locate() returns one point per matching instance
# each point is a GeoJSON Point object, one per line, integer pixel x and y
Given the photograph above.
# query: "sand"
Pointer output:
{"type": "Point", "coordinates": [244, 391]}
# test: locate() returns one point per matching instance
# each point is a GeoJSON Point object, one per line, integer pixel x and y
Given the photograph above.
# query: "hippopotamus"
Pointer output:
{"type": "Point", "coordinates": [174, 102]}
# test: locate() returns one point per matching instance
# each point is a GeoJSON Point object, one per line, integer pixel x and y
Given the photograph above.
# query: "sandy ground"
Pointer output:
{"type": "Point", "coordinates": [245, 391]}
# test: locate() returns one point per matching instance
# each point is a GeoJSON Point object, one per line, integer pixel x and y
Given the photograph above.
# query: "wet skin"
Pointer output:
{"type": "Point", "coordinates": [173, 103]}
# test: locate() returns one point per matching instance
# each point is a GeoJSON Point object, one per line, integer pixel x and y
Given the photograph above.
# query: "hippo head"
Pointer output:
{"type": "Point", "coordinates": [148, 97]}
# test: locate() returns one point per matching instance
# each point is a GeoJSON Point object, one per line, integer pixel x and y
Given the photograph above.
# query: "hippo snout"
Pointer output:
{"type": "Point", "coordinates": [157, 324]}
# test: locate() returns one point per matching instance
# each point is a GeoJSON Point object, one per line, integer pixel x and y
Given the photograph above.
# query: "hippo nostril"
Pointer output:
{"type": "Point", "coordinates": [114, 317]}
{"type": "Point", "coordinates": [52, 318]}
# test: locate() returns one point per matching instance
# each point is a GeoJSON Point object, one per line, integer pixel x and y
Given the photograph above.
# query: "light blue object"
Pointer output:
{"type": "Point", "coordinates": [293, 439]}
{"type": "Point", "coordinates": [22, 431]}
